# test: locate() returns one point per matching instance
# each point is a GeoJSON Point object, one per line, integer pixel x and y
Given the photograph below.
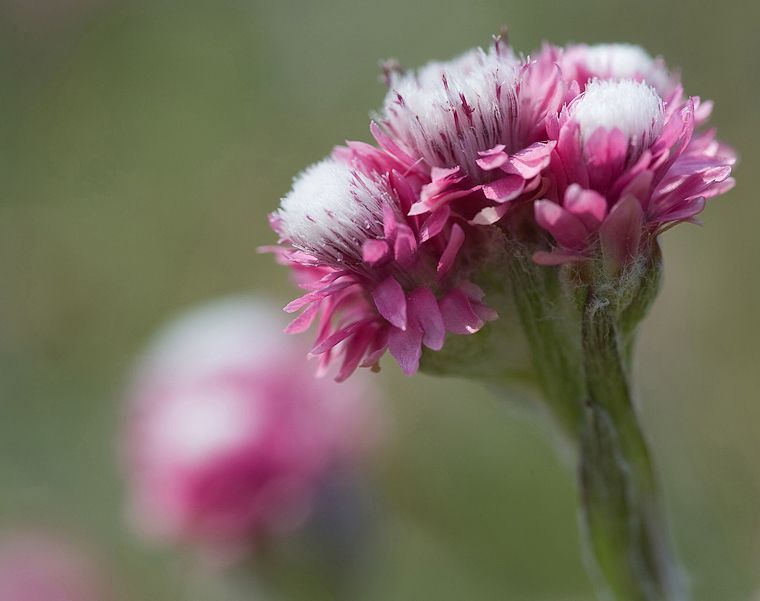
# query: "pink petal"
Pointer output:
{"type": "Point", "coordinates": [530, 161]}
{"type": "Point", "coordinates": [405, 245]}
{"type": "Point", "coordinates": [458, 315]}
{"type": "Point", "coordinates": [607, 148]}
{"type": "Point", "coordinates": [490, 215]}
{"type": "Point", "coordinates": [304, 320]}
{"type": "Point", "coordinates": [434, 224]}
{"type": "Point", "coordinates": [620, 233]}
{"type": "Point", "coordinates": [570, 155]}
{"type": "Point", "coordinates": [473, 291]}
{"type": "Point", "coordinates": [717, 188]}
{"type": "Point", "coordinates": [504, 189]}
{"type": "Point", "coordinates": [484, 312]}
{"type": "Point", "coordinates": [685, 211]}
{"type": "Point", "coordinates": [418, 208]}
{"type": "Point", "coordinates": [452, 248]}
{"type": "Point", "coordinates": [493, 158]}
{"type": "Point", "coordinates": [640, 187]}
{"type": "Point", "coordinates": [606, 152]}
{"type": "Point", "coordinates": [440, 179]}
{"type": "Point", "coordinates": [445, 187]}
{"type": "Point", "coordinates": [355, 349]}
{"type": "Point", "coordinates": [567, 229]}
{"type": "Point", "coordinates": [338, 336]}
{"type": "Point", "coordinates": [589, 206]}
{"type": "Point", "coordinates": [535, 153]}
{"type": "Point", "coordinates": [377, 347]}
{"type": "Point", "coordinates": [390, 301]}
{"type": "Point", "coordinates": [439, 174]}
{"type": "Point", "coordinates": [404, 191]}
{"type": "Point", "coordinates": [304, 300]}
{"type": "Point", "coordinates": [423, 307]}
{"type": "Point", "coordinates": [375, 251]}
{"type": "Point", "coordinates": [389, 222]}
{"type": "Point", "coordinates": [406, 348]}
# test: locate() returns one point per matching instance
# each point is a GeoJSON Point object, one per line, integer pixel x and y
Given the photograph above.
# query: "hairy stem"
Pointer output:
{"type": "Point", "coordinates": [620, 503]}
{"type": "Point", "coordinates": [552, 332]}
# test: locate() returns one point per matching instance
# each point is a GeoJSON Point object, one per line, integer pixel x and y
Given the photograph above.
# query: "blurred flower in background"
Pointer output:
{"type": "Point", "coordinates": [231, 442]}
{"type": "Point", "coordinates": [37, 566]}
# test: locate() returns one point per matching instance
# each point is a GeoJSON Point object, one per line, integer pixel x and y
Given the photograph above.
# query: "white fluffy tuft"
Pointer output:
{"type": "Point", "coordinates": [332, 209]}
{"type": "Point", "coordinates": [633, 107]}
{"type": "Point", "coordinates": [626, 61]}
{"type": "Point", "coordinates": [446, 112]}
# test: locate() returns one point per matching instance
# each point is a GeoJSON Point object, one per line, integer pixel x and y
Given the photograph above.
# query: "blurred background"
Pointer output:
{"type": "Point", "coordinates": [142, 144]}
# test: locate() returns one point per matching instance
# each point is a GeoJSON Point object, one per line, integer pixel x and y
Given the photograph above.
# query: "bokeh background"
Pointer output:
{"type": "Point", "coordinates": [142, 144]}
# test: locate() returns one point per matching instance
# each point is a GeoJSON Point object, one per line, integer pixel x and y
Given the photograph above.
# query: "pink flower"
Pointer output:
{"type": "Point", "coordinates": [38, 567]}
{"type": "Point", "coordinates": [475, 126]}
{"type": "Point", "coordinates": [626, 165]}
{"type": "Point", "coordinates": [595, 145]}
{"type": "Point", "coordinates": [377, 277]}
{"type": "Point", "coordinates": [229, 434]}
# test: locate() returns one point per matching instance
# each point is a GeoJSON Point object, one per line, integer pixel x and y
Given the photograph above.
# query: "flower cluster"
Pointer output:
{"type": "Point", "coordinates": [229, 436]}
{"type": "Point", "coordinates": [586, 151]}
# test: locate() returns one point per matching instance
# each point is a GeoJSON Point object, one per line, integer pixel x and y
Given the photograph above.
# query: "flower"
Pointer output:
{"type": "Point", "coordinates": [39, 567]}
{"type": "Point", "coordinates": [582, 63]}
{"type": "Point", "coordinates": [627, 164]}
{"type": "Point", "coordinates": [595, 145]}
{"type": "Point", "coordinates": [228, 434]}
{"type": "Point", "coordinates": [475, 126]}
{"type": "Point", "coordinates": [378, 278]}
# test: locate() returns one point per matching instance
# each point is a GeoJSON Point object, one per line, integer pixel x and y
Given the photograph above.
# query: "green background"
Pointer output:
{"type": "Point", "coordinates": [142, 145]}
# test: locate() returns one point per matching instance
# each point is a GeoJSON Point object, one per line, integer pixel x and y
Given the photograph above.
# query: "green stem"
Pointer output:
{"type": "Point", "coordinates": [620, 501]}
{"type": "Point", "coordinates": [579, 327]}
{"type": "Point", "coordinates": [552, 331]}
{"type": "Point", "coordinates": [640, 302]}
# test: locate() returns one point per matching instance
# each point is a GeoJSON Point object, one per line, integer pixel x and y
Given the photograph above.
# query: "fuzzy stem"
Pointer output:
{"type": "Point", "coordinates": [552, 332]}
{"type": "Point", "coordinates": [620, 503]}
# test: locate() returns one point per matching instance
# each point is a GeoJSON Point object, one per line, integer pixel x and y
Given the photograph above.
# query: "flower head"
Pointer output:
{"type": "Point", "coordinates": [377, 278]}
{"type": "Point", "coordinates": [229, 435]}
{"type": "Point", "coordinates": [474, 125]}
{"type": "Point", "coordinates": [583, 63]}
{"type": "Point", "coordinates": [445, 113]}
{"type": "Point", "coordinates": [627, 163]}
